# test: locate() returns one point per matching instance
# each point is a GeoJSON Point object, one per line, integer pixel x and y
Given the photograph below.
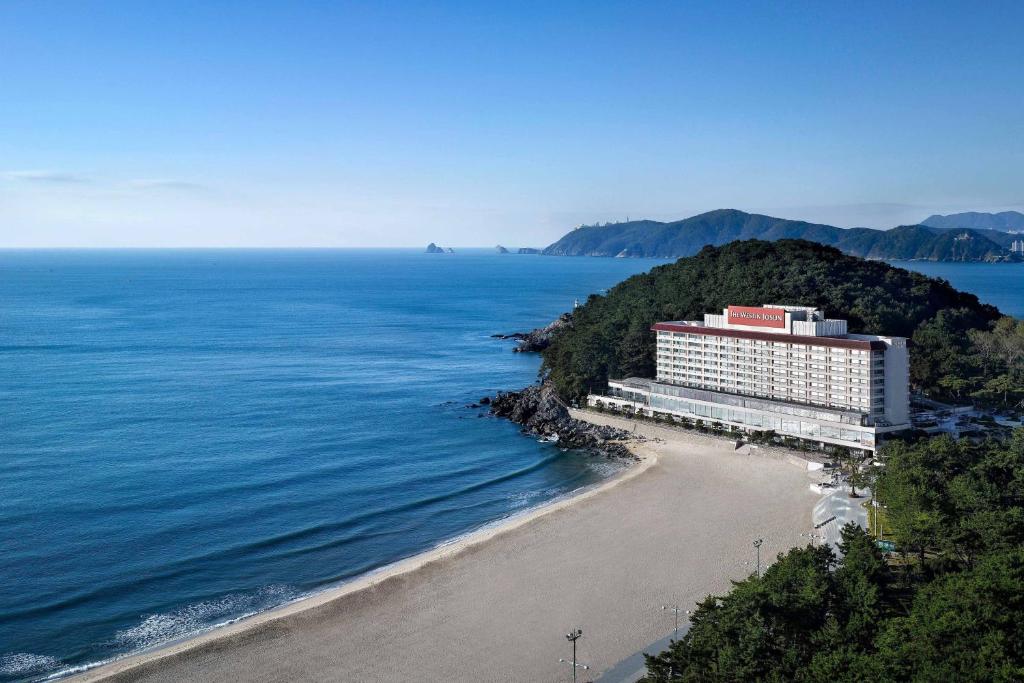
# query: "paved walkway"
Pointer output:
{"type": "Point", "coordinates": [633, 668]}
{"type": "Point", "coordinates": [835, 509]}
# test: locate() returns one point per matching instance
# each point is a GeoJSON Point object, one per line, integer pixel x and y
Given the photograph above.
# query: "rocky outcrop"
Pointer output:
{"type": "Point", "coordinates": [528, 250]}
{"type": "Point", "coordinates": [540, 338]}
{"type": "Point", "coordinates": [501, 250]}
{"type": "Point", "coordinates": [434, 249]}
{"type": "Point", "coordinates": [539, 411]}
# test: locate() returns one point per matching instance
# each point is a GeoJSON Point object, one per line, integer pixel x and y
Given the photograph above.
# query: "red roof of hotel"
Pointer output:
{"type": "Point", "coordinates": [833, 342]}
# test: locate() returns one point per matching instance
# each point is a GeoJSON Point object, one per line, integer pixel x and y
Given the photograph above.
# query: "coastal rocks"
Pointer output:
{"type": "Point", "coordinates": [540, 338]}
{"type": "Point", "coordinates": [540, 411]}
{"type": "Point", "coordinates": [501, 250]}
{"type": "Point", "coordinates": [434, 249]}
{"type": "Point", "coordinates": [528, 250]}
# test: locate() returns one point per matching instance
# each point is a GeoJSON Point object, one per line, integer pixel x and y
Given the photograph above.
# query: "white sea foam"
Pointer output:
{"type": "Point", "coordinates": [534, 498]}
{"type": "Point", "coordinates": [192, 620]}
{"type": "Point", "coordinates": [24, 663]}
{"type": "Point", "coordinates": [189, 620]}
{"type": "Point", "coordinates": [522, 499]}
{"type": "Point", "coordinates": [606, 468]}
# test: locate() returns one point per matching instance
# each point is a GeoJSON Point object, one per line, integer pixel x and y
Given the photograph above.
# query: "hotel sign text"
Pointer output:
{"type": "Point", "coordinates": [757, 317]}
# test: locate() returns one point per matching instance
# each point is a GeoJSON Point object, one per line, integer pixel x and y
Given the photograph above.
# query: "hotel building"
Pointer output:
{"type": "Point", "coordinates": [786, 369]}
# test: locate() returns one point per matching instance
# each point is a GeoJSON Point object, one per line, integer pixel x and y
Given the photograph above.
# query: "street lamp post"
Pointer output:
{"type": "Point", "coordinates": [675, 612]}
{"type": "Point", "coordinates": [757, 545]}
{"type": "Point", "coordinates": [812, 537]}
{"type": "Point", "coordinates": [572, 637]}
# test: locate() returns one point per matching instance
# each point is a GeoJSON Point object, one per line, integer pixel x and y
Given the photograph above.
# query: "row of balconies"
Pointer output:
{"type": "Point", "coordinates": [779, 392]}
{"type": "Point", "coordinates": [774, 386]}
{"type": "Point", "coordinates": [740, 346]}
{"type": "Point", "coordinates": [731, 370]}
{"type": "Point", "coordinates": [732, 342]}
{"type": "Point", "coordinates": [823, 400]}
{"type": "Point", "coordinates": [858, 385]}
{"type": "Point", "coordinates": [716, 359]}
{"type": "Point", "coordinates": [749, 358]}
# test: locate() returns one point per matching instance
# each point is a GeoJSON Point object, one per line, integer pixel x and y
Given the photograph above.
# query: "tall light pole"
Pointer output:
{"type": "Point", "coordinates": [675, 612]}
{"type": "Point", "coordinates": [572, 637]}
{"type": "Point", "coordinates": [757, 545]}
{"type": "Point", "coordinates": [812, 537]}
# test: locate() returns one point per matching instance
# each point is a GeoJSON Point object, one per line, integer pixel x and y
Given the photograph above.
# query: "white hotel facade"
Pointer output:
{"type": "Point", "coordinates": [786, 369]}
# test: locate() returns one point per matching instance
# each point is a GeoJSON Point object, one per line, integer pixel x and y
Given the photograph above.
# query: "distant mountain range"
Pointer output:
{"type": "Point", "coordinates": [686, 237]}
{"type": "Point", "coordinates": [1005, 220]}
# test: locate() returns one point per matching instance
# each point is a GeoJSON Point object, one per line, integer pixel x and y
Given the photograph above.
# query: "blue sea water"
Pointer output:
{"type": "Point", "coordinates": [192, 436]}
{"type": "Point", "coordinates": [999, 284]}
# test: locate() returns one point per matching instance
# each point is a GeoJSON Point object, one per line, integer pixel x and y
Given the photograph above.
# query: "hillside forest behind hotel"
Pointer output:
{"type": "Point", "coordinates": [960, 347]}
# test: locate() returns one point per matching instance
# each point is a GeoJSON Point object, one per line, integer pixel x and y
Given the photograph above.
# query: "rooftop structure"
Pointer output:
{"type": "Point", "coordinates": [783, 368]}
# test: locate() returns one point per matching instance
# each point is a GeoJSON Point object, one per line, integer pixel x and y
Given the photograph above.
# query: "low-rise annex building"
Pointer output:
{"type": "Point", "coordinates": [785, 369]}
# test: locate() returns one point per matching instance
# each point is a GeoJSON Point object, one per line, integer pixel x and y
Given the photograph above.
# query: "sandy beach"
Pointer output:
{"type": "Point", "coordinates": [495, 605]}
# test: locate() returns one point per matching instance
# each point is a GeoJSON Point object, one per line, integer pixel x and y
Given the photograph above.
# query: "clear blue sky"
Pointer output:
{"type": "Point", "coordinates": [336, 124]}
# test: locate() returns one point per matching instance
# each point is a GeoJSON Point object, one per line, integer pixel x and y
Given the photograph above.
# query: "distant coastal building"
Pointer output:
{"type": "Point", "coordinates": [786, 369]}
{"type": "Point", "coordinates": [1017, 247]}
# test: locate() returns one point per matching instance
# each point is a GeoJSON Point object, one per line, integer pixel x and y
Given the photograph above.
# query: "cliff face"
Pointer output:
{"type": "Point", "coordinates": [653, 239]}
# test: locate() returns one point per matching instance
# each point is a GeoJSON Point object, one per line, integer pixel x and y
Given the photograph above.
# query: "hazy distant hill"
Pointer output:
{"type": "Point", "coordinates": [1005, 220]}
{"type": "Point", "coordinates": [686, 237]}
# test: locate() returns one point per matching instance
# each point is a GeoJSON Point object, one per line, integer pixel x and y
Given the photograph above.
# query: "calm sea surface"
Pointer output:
{"type": "Point", "coordinates": [999, 284]}
{"type": "Point", "coordinates": [193, 436]}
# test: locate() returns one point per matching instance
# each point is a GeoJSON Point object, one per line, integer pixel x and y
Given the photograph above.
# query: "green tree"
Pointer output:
{"type": "Point", "coordinates": [942, 362]}
{"type": "Point", "coordinates": [764, 629]}
{"type": "Point", "coordinates": [999, 353]}
{"type": "Point", "coordinates": [963, 627]}
{"type": "Point", "coordinates": [610, 335]}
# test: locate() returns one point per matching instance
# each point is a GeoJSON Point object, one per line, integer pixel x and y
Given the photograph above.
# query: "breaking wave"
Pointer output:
{"type": "Point", "coordinates": [25, 664]}
{"type": "Point", "coordinates": [189, 620]}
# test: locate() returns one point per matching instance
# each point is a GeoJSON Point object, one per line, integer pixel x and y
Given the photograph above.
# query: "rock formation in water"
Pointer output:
{"type": "Point", "coordinates": [539, 411]}
{"type": "Point", "coordinates": [538, 339]}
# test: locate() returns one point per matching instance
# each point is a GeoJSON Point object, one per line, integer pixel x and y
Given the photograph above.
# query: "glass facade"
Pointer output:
{"type": "Point", "coordinates": [657, 399]}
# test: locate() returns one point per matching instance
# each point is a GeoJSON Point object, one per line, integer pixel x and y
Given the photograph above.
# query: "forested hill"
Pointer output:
{"type": "Point", "coordinates": [686, 237]}
{"type": "Point", "coordinates": [610, 335]}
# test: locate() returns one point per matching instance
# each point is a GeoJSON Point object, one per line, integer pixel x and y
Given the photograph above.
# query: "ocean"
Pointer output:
{"type": "Point", "coordinates": [999, 284]}
{"type": "Point", "coordinates": [194, 436]}
{"type": "Point", "coordinates": [190, 437]}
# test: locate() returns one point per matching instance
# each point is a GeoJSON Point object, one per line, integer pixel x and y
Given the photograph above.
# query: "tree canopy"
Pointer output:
{"type": "Point", "coordinates": [611, 335]}
{"type": "Point", "coordinates": [947, 609]}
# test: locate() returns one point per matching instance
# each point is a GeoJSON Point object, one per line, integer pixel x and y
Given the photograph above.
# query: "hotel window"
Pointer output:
{"type": "Point", "coordinates": [830, 432]}
{"type": "Point", "coordinates": [851, 435]}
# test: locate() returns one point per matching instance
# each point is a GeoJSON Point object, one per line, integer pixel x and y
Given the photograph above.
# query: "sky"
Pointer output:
{"type": "Point", "coordinates": [335, 124]}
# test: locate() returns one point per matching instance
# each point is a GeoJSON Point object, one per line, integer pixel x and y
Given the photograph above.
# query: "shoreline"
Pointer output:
{"type": "Point", "coordinates": [675, 526]}
{"type": "Point", "coordinates": [445, 549]}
